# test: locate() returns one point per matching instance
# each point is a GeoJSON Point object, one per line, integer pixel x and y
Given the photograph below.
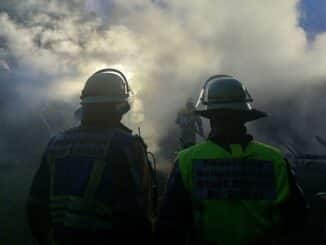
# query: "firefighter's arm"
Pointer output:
{"type": "Point", "coordinates": [144, 172]}
{"type": "Point", "coordinates": [294, 208]}
{"type": "Point", "coordinates": [38, 204]}
{"type": "Point", "coordinates": [175, 216]}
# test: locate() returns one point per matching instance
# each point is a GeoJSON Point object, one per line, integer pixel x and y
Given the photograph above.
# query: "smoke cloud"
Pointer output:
{"type": "Point", "coordinates": [48, 48]}
{"type": "Point", "coordinates": [166, 48]}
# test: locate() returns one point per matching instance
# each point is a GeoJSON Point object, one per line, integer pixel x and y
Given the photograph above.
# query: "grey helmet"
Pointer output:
{"type": "Point", "coordinates": [107, 86]}
{"type": "Point", "coordinates": [224, 95]}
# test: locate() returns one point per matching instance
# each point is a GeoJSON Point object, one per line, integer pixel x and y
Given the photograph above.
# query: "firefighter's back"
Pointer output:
{"type": "Point", "coordinates": [94, 191]}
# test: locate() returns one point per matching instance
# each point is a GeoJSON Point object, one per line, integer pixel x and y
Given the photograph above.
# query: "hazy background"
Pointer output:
{"type": "Point", "coordinates": [167, 49]}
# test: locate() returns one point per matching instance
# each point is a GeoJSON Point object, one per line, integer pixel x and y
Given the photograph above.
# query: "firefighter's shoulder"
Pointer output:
{"type": "Point", "coordinates": [193, 150]}
{"type": "Point", "coordinates": [266, 149]}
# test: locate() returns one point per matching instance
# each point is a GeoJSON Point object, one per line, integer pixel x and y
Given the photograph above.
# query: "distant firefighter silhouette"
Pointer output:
{"type": "Point", "coordinates": [190, 125]}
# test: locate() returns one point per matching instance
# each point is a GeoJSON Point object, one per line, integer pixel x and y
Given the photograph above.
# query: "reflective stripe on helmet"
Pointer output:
{"type": "Point", "coordinates": [103, 99]}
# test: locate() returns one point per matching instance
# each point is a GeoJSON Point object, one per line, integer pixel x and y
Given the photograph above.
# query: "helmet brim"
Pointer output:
{"type": "Point", "coordinates": [231, 114]}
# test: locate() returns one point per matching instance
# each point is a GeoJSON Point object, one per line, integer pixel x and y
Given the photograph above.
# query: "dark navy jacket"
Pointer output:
{"type": "Point", "coordinates": [91, 187]}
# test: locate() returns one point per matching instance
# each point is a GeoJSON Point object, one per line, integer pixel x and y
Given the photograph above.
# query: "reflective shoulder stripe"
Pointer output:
{"type": "Point", "coordinates": [96, 175]}
{"type": "Point", "coordinates": [94, 181]}
{"type": "Point", "coordinates": [82, 212]}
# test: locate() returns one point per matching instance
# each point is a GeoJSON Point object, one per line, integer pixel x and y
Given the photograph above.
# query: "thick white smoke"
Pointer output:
{"type": "Point", "coordinates": [48, 48]}
{"type": "Point", "coordinates": [166, 48]}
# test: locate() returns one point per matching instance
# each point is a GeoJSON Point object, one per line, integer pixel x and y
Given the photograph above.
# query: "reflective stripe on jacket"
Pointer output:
{"type": "Point", "coordinates": [91, 185]}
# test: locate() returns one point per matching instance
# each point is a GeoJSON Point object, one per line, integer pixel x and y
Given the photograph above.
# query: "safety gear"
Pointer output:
{"type": "Point", "coordinates": [107, 86]}
{"type": "Point", "coordinates": [235, 195]}
{"type": "Point", "coordinates": [224, 94]}
{"type": "Point", "coordinates": [76, 183]}
{"type": "Point", "coordinates": [89, 160]}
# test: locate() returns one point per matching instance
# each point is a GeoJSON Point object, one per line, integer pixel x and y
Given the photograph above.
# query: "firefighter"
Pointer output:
{"type": "Point", "coordinates": [230, 189]}
{"type": "Point", "coordinates": [190, 125]}
{"type": "Point", "coordinates": [93, 184]}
